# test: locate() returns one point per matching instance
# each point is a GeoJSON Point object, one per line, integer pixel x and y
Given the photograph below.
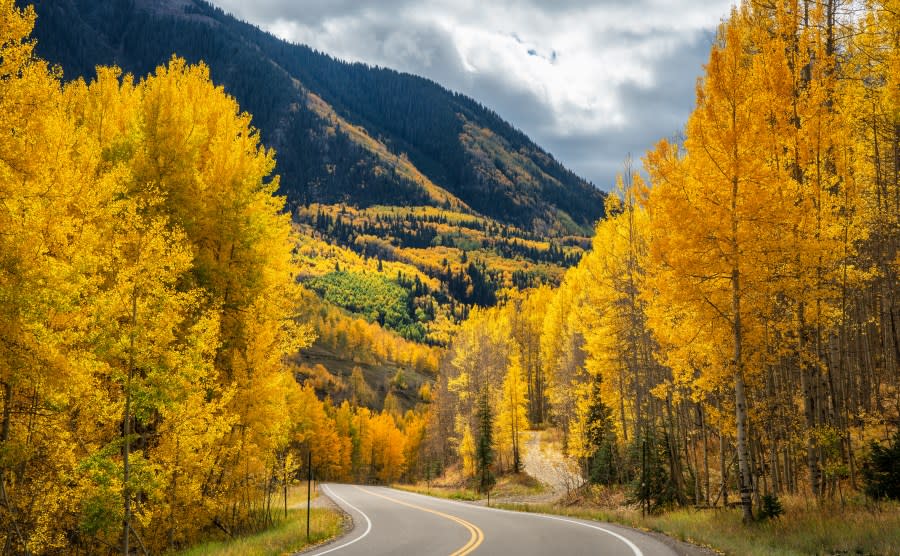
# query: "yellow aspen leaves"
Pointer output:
{"type": "Point", "coordinates": [147, 306]}
{"type": "Point", "coordinates": [739, 308]}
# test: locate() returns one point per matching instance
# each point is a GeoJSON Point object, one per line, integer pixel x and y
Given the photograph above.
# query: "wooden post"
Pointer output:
{"type": "Point", "coordinates": [644, 502]}
{"type": "Point", "coordinates": [284, 483]}
{"type": "Point", "coordinates": [308, 488]}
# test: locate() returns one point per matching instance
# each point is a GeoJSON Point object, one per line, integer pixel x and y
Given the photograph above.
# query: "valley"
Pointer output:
{"type": "Point", "coordinates": [232, 265]}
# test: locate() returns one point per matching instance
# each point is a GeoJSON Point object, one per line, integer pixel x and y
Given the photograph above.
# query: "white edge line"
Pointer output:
{"type": "Point", "coordinates": [634, 548]}
{"type": "Point", "coordinates": [631, 545]}
{"type": "Point", "coordinates": [331, 494]}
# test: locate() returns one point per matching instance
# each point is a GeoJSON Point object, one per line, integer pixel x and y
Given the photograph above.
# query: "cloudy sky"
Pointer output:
{"type": "Point", "coordinates": [588, 80]}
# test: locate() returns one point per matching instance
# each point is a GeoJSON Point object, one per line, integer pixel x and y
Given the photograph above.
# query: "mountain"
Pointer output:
{"type": "Point", "coordinates": [344, 132]}
{"type": "Point", "coordinates": [413, 203]}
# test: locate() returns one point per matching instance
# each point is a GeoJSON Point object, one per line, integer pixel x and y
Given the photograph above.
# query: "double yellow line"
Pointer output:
{"type": "Point", "coordinates": [477, 535]}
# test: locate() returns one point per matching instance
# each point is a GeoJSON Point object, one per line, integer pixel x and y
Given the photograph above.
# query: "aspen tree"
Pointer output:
{"type": "Point", "coordinates": [715, 218]}
{"type": "Point", "coordinates": [562, 348]}
{"type": "Point", "coordinates": [512, 416]}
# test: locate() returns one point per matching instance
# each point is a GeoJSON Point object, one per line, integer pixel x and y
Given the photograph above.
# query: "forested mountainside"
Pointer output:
{"type": "Point", "coordinates": [178, 347]}
{"type": "Point", "coordinates": [344, 132]}
{"type": "Point", "coordinates": [384, 173]}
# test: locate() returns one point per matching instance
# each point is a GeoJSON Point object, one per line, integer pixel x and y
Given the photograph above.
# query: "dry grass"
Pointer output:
{"type": "Point", "coordinates": [517, 485]}
{"type": "Point", "coordinates": [287, 536]}
{"type": "Point", "coordinates": [507, 486]}
{"type": "Point", "coordinates": [450, 493]}
{"type": "Point", "coordinates": [852, 528]}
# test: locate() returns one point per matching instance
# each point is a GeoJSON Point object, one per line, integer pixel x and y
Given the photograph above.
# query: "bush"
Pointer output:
{"type": "Point", "coordinates": [881, 470]}
{"type": "Point", "coordinates": [770, 507]}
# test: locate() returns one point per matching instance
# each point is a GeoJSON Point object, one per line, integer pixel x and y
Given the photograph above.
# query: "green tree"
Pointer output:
{"type": "Point", "coordinates": [600, 438]}
{"type": "Point", "coordinates": [484, 450]}
{"type": "Point", "coordinates": [881, 471]}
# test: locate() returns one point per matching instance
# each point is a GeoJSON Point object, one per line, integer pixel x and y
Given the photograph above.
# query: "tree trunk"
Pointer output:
{"type": "Point", "coordinates": [126, 433]}
{"type": "Point", "coordinates": [705, 453]}
{"type": "Point", "coordinates": [808, 384]}
{"type": "Point", "coordinates": [740, 395]}
{"type": "Point", "coordinates": [744, 479]}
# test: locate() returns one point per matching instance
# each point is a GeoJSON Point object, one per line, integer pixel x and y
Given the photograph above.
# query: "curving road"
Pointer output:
{"type": "Point", "coordinates": [398, 523]}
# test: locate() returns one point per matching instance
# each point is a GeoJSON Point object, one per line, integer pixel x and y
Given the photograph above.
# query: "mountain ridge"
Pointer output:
{"type": "Point", "coordinates": [437, 130]}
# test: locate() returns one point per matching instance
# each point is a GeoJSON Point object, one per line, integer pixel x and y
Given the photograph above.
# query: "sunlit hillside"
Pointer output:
{"type": "Point", "coordinates": [255, 299]}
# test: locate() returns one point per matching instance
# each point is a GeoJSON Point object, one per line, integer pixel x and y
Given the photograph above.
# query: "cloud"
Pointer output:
{"type": "Point", "coordinates": [589, 80]}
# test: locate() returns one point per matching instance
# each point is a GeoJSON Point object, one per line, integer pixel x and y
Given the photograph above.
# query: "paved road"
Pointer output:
{"type": "Point", "coordinates": [397, 523]}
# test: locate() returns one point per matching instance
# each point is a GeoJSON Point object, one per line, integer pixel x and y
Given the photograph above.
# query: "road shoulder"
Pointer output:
{"type": "Point", "coordinates": [681, 548]}
{"type": "Point", "coordinates": [348, 524]}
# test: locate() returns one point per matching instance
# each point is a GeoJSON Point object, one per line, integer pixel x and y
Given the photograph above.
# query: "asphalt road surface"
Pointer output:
{"type": "Point", "coordinates": [398, 523]}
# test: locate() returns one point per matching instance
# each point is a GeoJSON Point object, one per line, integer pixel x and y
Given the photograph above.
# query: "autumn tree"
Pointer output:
{"type": "Point", "coordinates": [717, 221]}
{"type": "Point", "coordinates": [512, 416]}
{"type": "Point", "coordinates": [739, 308]}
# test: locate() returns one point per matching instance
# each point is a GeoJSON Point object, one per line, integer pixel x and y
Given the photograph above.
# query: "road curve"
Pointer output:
{"type": "Point", "coordinates": [398, 523]}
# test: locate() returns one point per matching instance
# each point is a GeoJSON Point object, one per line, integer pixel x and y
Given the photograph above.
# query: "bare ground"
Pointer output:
{"type": "Point", "coordinates": [542, 461]}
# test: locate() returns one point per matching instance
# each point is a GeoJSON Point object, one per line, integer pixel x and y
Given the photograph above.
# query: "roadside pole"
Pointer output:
{"type": "Point", "coordinates": [644, 502]}
{"type": "Point", "coordinates": [308, 488]}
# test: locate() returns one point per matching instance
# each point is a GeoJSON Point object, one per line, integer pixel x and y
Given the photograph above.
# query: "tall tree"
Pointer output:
{"type": "Point", "coordinates": [484, 449]}
{"type": "Point", "coordinates": [512, 416]}
{"type": "Point", "coordinates": [717, 226]}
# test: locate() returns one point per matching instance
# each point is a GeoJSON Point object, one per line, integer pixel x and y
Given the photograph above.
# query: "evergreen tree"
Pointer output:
{"type": "Point", "coordinates": [881, 470]}
{"type": "Point", "coordinates": [600, 441]}
{"type": "Point", "coordinates": [484, 451]}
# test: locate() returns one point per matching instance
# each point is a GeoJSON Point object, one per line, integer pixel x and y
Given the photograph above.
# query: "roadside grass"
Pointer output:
{"type": "Point", "coordinates": [831, 529]}
{"type": "Point", "coordinates": [520, 484]}
{"type": "Point", "coordinates": [827, 531]}
{"type": "Point", "coordinates": [450, 493]}
{"type": "Point", "coordinates": [286, 536]}
{"type": "Point", "coordinates": [297, 495]}
{"type": "Point", "coordinates": [507, 485]}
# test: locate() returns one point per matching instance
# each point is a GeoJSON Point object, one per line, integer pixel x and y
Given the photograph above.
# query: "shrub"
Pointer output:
{"type": "Point", "coordinates": [770, 507]}
{"type": "Point", "coordinates": [881, 470]}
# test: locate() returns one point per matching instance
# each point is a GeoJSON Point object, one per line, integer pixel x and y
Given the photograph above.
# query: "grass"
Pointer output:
{"type": "Point", "coordinates": [442, 492]}
{"type": "Point", "coordinates": [855, 528]}
{"type": "Point", "coordinates": [517, 485]}
{"type": "Point", "coordinates": [286, 536]}
{"type": "Point", "coordinates": [507, 485]}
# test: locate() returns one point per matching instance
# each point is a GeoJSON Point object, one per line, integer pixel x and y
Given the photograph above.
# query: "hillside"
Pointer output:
{"type": "Point", "coordinates": [185, 337]}
{"type": "Point", "coordinates": [413, 203]}
{"type": "Point", "coordinates": [345, 133]}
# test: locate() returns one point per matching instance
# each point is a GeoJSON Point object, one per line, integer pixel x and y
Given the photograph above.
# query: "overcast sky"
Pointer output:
{"type": "Point", "coordinates": [588, 80]}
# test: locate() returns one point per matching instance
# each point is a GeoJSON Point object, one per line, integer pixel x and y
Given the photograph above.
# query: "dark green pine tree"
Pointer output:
{"type": "Point", "coordinates": [598, 416]}
{"type": "Point", "coordinates": [484, 451]}
{"type": "Point", "coordinates": [881, 470]}
{"type": "Point", "coordinates": [601, 462]}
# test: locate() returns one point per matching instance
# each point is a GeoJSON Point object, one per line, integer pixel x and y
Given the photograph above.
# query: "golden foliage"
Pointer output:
{"type": "Point", "coordinates": [148, 304]}
{"type": "Point", "coordinates": [749, 292]}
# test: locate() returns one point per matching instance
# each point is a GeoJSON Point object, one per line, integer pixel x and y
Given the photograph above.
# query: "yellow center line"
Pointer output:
{"type": "Point", "coordinates": [477, 534]}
